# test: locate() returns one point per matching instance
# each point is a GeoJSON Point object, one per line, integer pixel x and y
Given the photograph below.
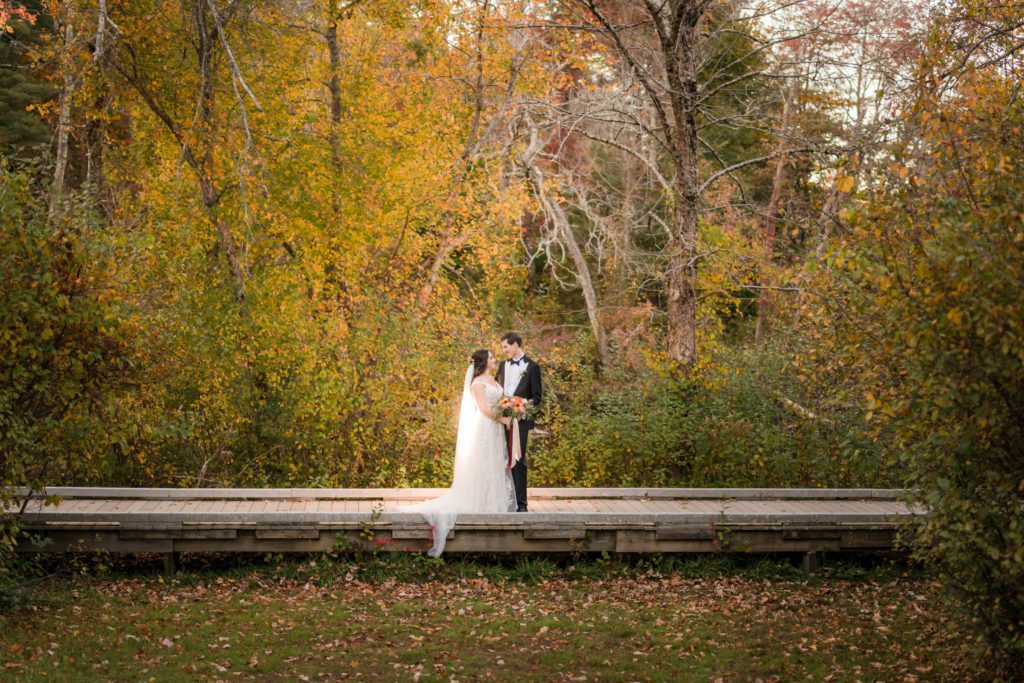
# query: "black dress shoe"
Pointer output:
{"type": "Point", "coordinates": [521, 510]}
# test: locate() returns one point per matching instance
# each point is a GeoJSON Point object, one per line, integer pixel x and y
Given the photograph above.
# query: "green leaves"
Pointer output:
{"type": "Point", "coordinates": [64, 348]}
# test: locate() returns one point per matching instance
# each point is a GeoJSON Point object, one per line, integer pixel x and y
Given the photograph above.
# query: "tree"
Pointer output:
{"type": "Point", "coordinates": [21, 92]}
{"type": "Point", "coordinates": [921, 302]}
{"type": "Point", "coordinates": [195, 132]}
{"type": "Point", "coordinates": [700, 67]}
{"type": "Point", "coordinates": [65, 346]}
{"type": "Point", "coordinates": [551, 207]}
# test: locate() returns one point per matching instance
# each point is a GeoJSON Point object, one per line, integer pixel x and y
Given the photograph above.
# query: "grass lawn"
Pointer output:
{"type": "Point", "coordinates": [410, 618]}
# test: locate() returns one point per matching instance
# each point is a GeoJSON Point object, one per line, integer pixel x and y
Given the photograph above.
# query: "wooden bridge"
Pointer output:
{"type": "Point", "coordinates": [624, 520]}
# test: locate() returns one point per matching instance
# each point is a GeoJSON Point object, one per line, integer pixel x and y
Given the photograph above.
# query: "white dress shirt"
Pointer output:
{"type": "Point", "coordinates": [513, 373]}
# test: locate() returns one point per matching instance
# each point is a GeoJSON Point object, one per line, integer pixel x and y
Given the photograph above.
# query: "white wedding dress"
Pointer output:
{"type": "Point", "coordinates": [481, 482]}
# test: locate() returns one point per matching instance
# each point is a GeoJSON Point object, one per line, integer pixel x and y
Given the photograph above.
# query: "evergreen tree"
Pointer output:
{"type": "Point", "coordinates": [21, 125]}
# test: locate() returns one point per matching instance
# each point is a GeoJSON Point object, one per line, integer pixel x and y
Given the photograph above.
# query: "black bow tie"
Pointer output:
{"type": "Point", "coordinates": [515, 362]}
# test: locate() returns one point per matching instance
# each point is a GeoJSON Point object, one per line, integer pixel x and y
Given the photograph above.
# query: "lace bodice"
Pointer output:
{"type": "Point", "coordinates": [492, 392]}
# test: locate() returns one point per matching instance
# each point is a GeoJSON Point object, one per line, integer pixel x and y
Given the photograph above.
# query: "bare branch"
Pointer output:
{"type": "Point", "coordinates": [750, 162]}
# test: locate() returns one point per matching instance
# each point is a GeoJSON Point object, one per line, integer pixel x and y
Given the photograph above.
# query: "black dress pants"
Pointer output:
{"type": "Point", "coordinates": [519, 471]}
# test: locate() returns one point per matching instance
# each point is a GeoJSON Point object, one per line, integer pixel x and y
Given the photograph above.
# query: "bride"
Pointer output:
{"type": "Point", "coordinates": [481, 481]}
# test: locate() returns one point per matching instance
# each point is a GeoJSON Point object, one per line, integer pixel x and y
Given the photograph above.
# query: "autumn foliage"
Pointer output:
{"type": "Point", "coordinates": [251, 243]}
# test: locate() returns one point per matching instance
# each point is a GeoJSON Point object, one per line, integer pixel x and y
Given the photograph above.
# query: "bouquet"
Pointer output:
{"type": "Point", "coordinates": [517, 408]}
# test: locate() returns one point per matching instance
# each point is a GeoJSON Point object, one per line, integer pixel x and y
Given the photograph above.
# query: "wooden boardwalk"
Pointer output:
{"type": "Point", "coordinates": [640, 520]}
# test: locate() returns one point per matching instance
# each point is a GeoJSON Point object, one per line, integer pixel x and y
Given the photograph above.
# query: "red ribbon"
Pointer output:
{"type": "Point", "coordinates": [511, 443]}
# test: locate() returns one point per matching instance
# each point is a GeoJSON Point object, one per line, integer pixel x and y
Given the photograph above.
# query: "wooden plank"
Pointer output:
{"type": "Point", "coordinates": [139, 534]}
{"type": "Point", "coordinates": [679, 532]}
{"type": "Point", "coordinates": [250, 506]}
{"type": "Point", "coordinates": [584, 505]}
{"type": "Point", "coordinates": [705, 507]}
{"type": "Point", "coordinates": [818, 533]}
{"type": "Point", "coordinates": [633, 506]}
{"type": "Point", "coordinates": [220, 507]}
{"type": "Point", "coordinates": [783, 507]}
{"type": "Point", "coordinates": [251, 544]}
{"type": "Point", "coordinates": [745, 507]}
{"type": "Point", "coordinates": [635, 541]}
{"type": "Point", "coordinates": [410, 533]}
{"type": "Point", "coordinates": [270, 493]}
{"type": "Point", "coordinates": [655, 505]}
{"type": "Point", "coordinates": [665, 522]}
{"type": "Point", "coordinates": [287, 533]}
{"type": "Point", "coordinates": [81, 506]}
{"type": "Point", "coordinates": [614, 505]}
{"type": "Point", "coordinates": [561, 505]}
{"type": "Point", "coordinates": [418, 533]}
{"type": "Point", "coordinates": [120, 505]}
{"type": "Point", "coordinates": [222, 534]}
{"type": "Point", "coordinates": [854, 507]}
{"type": "Point", "coordinates": [565, 531]}
{"type": "Point", "coordinates": [603, 505]}
{"type": "Point", "coordinates": [800, 508]}
{"type": "Point", "coordinates": [98, 540]}
{"type": "Point", "coordinates": [105, 506]}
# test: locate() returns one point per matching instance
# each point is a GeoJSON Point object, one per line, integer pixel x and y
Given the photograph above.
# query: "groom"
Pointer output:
{"type": "Point", "coordinates": [519, 376]}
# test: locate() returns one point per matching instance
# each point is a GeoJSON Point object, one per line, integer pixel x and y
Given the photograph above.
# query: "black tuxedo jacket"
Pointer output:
{"type": "Point", "coordinates": [529, 385]}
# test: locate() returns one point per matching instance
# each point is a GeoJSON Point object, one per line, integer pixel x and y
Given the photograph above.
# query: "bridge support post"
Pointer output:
{"type": "Point", "coordinates": [810, 561]}
{"type": "Point", "coordinates": [171, 560]}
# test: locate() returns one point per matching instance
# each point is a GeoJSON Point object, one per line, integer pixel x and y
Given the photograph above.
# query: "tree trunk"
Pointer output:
{"type": "Point", "coordinates": [97, 134]}
{"type": "Point", "coordinates": [557, 214]}
{"type": "Point", "coordinates": [769, 242]}
{"type": "Point", "coordinates": [94, 134]}
{"type": "Point", "coordinates": [227, 240]}
{"type": "Point", "coordinates": [770, 219]}
{"type": "Point", "coordinates": [207, 40]}
{"type": "Point", "coordinates": [445, 247]}
{"type": "Point", "coordinates": [682, 301]}
{"type": "Point", "coordinates": [67, 93]}
{"type": "Point", "coordinates": [681, 72]}
{"type": "Point", "coordinates": [334, 84]}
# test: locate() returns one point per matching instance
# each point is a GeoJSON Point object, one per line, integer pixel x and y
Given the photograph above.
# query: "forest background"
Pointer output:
{"type": "Point", "coordinates": [751, 244]}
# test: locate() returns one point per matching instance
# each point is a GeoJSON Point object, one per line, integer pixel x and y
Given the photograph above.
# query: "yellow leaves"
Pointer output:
{"type": "Point", "coordinates": [955, 315]}
{"type": "Point", "coordinates": [845, 183]}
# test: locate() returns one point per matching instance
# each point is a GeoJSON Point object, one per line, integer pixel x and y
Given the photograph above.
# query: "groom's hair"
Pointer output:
{"type": "Point", "coordinates": [512, 338]}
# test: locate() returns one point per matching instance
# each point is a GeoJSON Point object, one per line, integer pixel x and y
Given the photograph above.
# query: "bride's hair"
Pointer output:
{"type": "Point", "coordinates": [479, 360]}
